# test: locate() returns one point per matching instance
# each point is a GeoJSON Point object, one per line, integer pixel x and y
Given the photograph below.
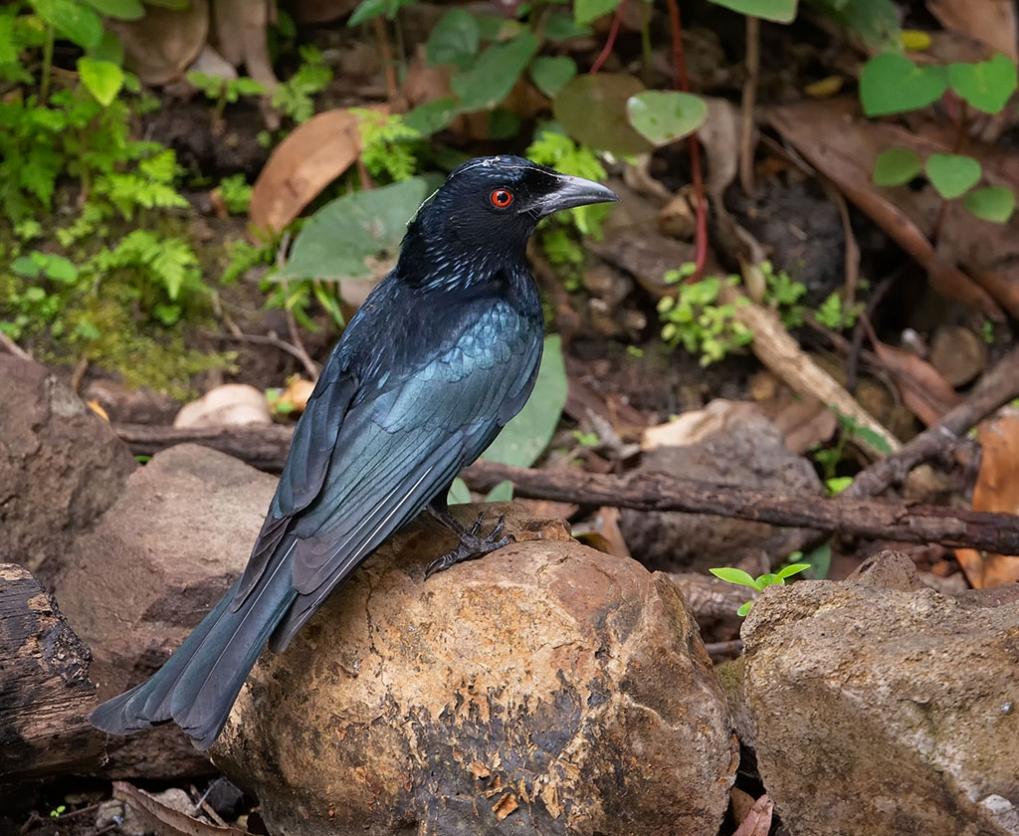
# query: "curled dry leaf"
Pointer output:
{"type": "Point", "coordinates": [997, 489]}
{"type": "Point", "coordinates": [992, 22]}
{"type": "Point", "coordinates": [843, 147]}
{"type": "Point", "coordinates": [924, 391]}
{"type": "Point", "coordinates": [162, 45]}
{"type": "Point", "coordinates": [758, 820]}
{"type": "Point", "coordinates": [162, 820]}
{"type": "Point", "coordinates": [309, 159]}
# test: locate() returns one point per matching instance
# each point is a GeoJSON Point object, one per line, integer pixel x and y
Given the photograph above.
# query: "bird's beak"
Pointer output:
{"type": "Point", "coordinates": [576, 191]}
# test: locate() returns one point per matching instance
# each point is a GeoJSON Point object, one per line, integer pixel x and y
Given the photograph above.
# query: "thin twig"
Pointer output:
{"type": "Point", "coordinates": [12, 347]}
{"type": "Point", "coordinates": [753, 73]}
{"type": "Point", "coordinates": [295, 335]}
{"type": "Point", "coordinates": [724, 650]}
{"type": "Point", "coordinates": [386, 52]}
{"type": "Point", "coordinates": [275, 342]}
{"type": "Point", "coordinates": [682, 82]}
{"type": "Point", "coordinates": [610, 41]}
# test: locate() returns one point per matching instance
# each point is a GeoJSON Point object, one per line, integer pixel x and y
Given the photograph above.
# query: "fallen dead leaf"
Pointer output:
{"type": "Point", "coordinates": [924, 391]}
{"type": "Point", "coordinates": [992, 22]}
{"type": "Point", "coordinates": [294, 398]}
{"type": "Point", "coordinates": [996, 489]}
{"type": "Point", "coordinates": [758, 820]}
{"type": "Point", "coordinates": [603, 533]}
{"type": "Point", "coordinates": [163, 820]}
{"type": "Point", "coordinates": [505, 806]}
{"type": "Point", "coordinates": [843, 147]}
{"type": "Point", "coordinates": [161, 45]}
{"type": "Point", "coordinates": [696, 425]}
{"type": "Point", "coordinates": [309, 159]}
{"type": "Point", "coordinates": [97, 408]}
{"type": "Point", "coordinates": [479, 770]}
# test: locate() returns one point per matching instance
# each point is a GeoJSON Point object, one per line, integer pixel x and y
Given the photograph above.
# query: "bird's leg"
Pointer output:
{"type": "Point", "coordinates": [472, 545]}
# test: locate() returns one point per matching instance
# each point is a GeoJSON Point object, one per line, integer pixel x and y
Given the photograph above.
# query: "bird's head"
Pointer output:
{"type": "Point", "coordinates": [494, 203]}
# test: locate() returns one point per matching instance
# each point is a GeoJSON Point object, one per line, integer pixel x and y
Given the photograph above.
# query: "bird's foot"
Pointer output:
{"type": "Point", "coordinates": [472, 545]}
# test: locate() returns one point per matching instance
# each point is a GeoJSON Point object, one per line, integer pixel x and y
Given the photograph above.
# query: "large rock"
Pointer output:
{"type": "Point", "coordinates": [153, 566]}
{"type": "Point", "coordinates": [546, 688]}
{"type": "Point", "coordinates": [748, 451]}
{"type": "Point", "coordinates": [886, 710]}
{"type": "Point", "coordinates": [61, 466]}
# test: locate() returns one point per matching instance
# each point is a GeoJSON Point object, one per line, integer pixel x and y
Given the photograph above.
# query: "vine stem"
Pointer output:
{"type": "Point", "coordinates": [682, 82]}
{"type": "Point", "coordinates": [610, 41]}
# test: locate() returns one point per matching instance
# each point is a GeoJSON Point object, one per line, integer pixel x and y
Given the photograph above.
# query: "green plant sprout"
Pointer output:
{"type": "Point", "coordinates": [891, 84]}
{"type": "Point", "coordinates": [694, 318]}
{"type": "Point", "coordinates": [235, 194]}
{"type": "Point", "coordinates": [224, 91]}
{"type": "Point", "coordinates": [388, 145]}
{"type": "Point", "coordinates": [738, 577]}
{"type": "Point", "coordinates": [293, 97]}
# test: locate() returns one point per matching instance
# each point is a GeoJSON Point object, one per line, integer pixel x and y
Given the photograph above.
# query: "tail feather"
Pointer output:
{"type": "Point", "coordinates": [198, 684]}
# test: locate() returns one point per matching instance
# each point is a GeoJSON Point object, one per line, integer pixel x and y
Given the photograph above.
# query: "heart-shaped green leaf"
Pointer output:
{"type": "Point", "coordinates": [585, 11]}
{"type": "Point", "coordinates": [662, 116]}
{"type": "Point", "coordinates": [494, 73]}
{"type": "Point", "coordinates": [103, 79]}
{"type": "Point", "coordinates": [995, 204]}
{"type": "Point", "coordinates": [592, 110]}
{"type": "Point", "coordinates": [891, 83]}
{"type": "Point", "coordinates": [896, 166]}
{"type": "Point", "coordinates": [551, 73]}
{"type": "Point", "coordinates": [986, 85]}
{"type": "Point", "coordinates": [781, 11]}
{"type": "Point", "coordinates": [953, 174]}
{"type": "Point", "coordinates": [454, 40]}
{"type": "Point", "coordinates": [75, 21]}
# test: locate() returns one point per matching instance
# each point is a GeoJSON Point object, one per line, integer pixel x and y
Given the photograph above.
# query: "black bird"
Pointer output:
{"type": "Point", "coordinates": [440, 356]}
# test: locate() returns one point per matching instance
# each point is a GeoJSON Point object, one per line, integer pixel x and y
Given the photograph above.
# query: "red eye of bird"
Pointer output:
{"type": "Point", "coordinates": [501, 198]}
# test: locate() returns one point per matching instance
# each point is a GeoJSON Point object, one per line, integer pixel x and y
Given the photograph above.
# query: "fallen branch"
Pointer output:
{"type": "Point", "coordinates": [264, 447]}
{"type": "Point", "coordinates": [874, 519]}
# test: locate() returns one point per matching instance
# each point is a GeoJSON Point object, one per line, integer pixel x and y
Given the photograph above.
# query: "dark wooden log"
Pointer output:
{"type": "Point", "coordinates": [45, 692]}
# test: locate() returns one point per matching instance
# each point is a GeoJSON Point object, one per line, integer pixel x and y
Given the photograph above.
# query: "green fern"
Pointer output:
{"type": "Point", "coordinates": [293, 97]}
{"type": "Point", "coordinates": [387, 144]}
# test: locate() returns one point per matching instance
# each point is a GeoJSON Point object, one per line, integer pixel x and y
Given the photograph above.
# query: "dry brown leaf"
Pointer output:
{"type": "Point", "coordinates": [992, 22]}
{"type": "Point", "coordinates": [758, 820]}
{"type": "Point", "coordinates": [163, 820]}
{"type": "Point", "coordinates": [997, 489]}
{"type": "Point", "coordinates": [309, 159]}
{"type": "Point", "coordinates": [504, 806]}
{"type": "Point", "coordinates": [924, 391]}
{"type": "Point", "coordinates": [164, 43]}
{"type": "Point", "coordinates": [696, 425]}
{"type": "Point", "coordinates": [322, 11]}
{"type": "Point", "coordinates": [604, 533]}
{"type": "Point", "coordinates": [843, 147]}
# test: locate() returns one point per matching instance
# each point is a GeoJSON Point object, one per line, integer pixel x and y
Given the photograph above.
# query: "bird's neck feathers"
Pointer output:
{"type": "Point", "coordinates": [437, 254]}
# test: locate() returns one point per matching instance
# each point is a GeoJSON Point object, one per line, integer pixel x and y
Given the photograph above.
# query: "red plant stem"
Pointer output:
{"type": "Point", "coordinates": [700, 207]}
{"type": "Point", "coordinates": [610, 41]}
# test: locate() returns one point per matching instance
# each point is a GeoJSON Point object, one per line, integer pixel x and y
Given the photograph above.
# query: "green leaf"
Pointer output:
{"type": "Point", "coordinates": [986, 85]}
{"type": "Point", "coordinates": [494, 73]}
{"type": "Point", "coordinates": [730, 574]}
{"type": "Point", "coordinates": [662, 117]}
{"type": "Point", "coordinates": [459, 493]}
{"type": "Point", "coordinates": [60, 269]}
{"type": "Point", "coordinates": [875, 21]}
{"type": "Point", "coordinates": [75, 21]}
{"type": "Point", "coordinates": [345, 236]}
{"type": "Point", "coordinates": [780, 11]}
{"type": "Point", "coordinates": [119, 9]}
{"type": "Point", "coordinates": [891, 83]}
{"type": "Point", "coordinates": [103, 79]}
{"type": "Point", "coordinates": [819, 560]}
{"type": "Point", "coordinates": [586, 11]}
{"type": "Point", "coordinates": [560, 26]}
{"type": "Point", "coordinates": [502, 492]}
{"type": "Point", "coordinates": [953, 174]}
{"type": "Point", "coordinates": [527, 435]}
{"type": "Point", "coordinates": [26, 266]}
{"type": "Point", "coordinates": [838, 484]}
{"type": "Point", "coordinates": [745, 608]}
{"type": "Point", "coordinates": [368, 9]}
{"type": "Point", "coordinates": [896, 166]}
{"type": "Point", "coordinates": [454, 40]}
{"type": "Point", "coordinates": [109, 49]}
{"type": "Point", "coordinates": [551, 73]}
{"type": "Point", "coordinates": [432, 117]}
{"type": "Point", "coordinates": [792, 569]}
{"type": "Point", "coordinates": [994, 203]}
{"type": "Point", "coordinates": [592, 110]}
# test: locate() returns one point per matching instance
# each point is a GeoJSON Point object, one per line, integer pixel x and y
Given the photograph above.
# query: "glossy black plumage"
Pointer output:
{"type": "Point", "coordinates": [441, 355]}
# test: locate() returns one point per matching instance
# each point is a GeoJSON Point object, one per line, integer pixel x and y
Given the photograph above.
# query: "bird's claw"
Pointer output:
{"type": "Point", "coordinates": [472, 546]}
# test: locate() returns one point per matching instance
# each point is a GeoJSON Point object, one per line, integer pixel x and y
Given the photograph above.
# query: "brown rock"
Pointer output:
{"type": "Point", "coordinates": [61, 466]}
{"type": "Point", "coordinates": [153, 566]}
{"type": "Point", "coordinates": [547, 688]}
{"type": "Point", "coordinates": [885, 710]}
{"type": "Point", "coordinates": [45, 691]}
{"type": "Point", "coordinates": [748, 450]}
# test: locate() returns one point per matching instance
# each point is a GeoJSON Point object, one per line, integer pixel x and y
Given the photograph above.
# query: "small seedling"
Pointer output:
{"type": "Point", "coordinates": [58, 811]}
{"type": "Point", "coordinates": [738, 577]}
